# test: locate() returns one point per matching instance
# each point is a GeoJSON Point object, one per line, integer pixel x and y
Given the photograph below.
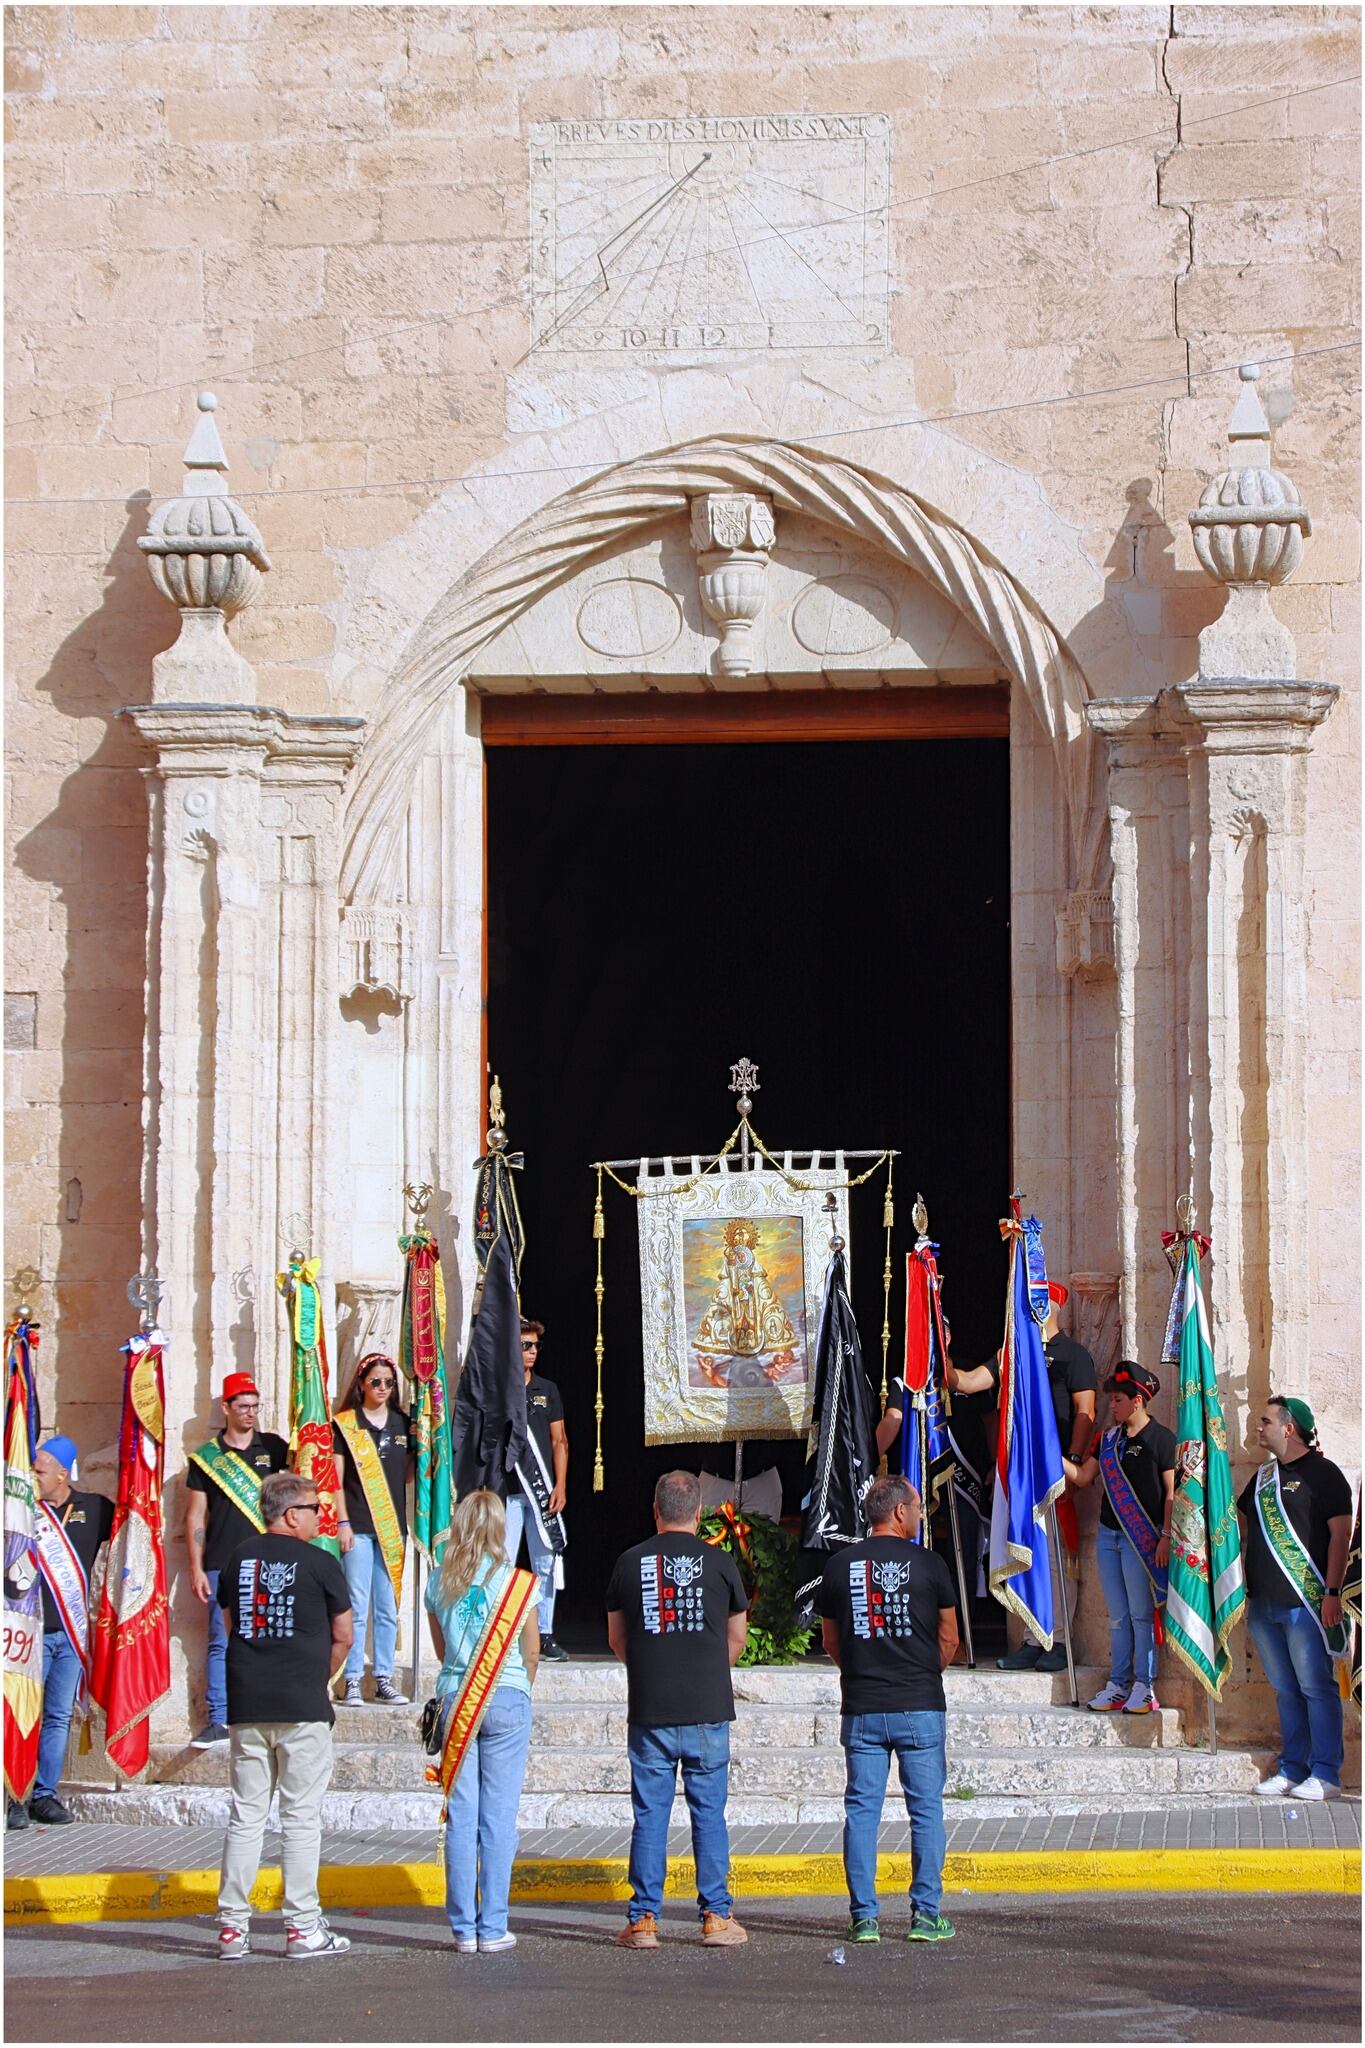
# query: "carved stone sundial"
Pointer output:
{"type": "Point", "coordinates": [705, 235]}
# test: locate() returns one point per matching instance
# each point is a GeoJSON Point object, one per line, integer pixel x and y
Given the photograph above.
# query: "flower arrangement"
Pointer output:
{"type": "Point", "coordinates": [766, 1556]}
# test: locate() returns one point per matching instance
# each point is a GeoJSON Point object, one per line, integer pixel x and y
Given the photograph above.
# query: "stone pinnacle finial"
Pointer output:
{"type": "Point", "coordinates": [205, 457]}
{"type": "Point", "coordinates": [1248, 530]}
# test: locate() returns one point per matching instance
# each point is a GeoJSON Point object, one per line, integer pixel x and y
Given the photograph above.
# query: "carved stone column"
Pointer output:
{"type": "Point", "coordinates": [1247, 745]}
{"type": "Point", "coordinates": [1147, 837]}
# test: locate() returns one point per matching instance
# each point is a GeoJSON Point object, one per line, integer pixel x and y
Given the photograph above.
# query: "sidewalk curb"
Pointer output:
{"type": "Point", "coordinates": [69, 1898]}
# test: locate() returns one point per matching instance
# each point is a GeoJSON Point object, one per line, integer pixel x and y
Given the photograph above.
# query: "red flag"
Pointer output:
{"type": "Point", "coordinates": [23, 1608]}
{"type": "Point", "coordinates": [131, 1636]}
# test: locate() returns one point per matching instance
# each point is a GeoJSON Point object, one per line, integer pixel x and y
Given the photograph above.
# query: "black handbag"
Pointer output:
{"type": "Point", "coordinates": [429, 1725]}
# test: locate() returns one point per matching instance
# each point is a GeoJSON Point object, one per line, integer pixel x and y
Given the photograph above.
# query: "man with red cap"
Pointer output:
{"type": "Point", "coordinates": [222, 1511]}
{"type": "Point", "coordinates": [1073, 1382]}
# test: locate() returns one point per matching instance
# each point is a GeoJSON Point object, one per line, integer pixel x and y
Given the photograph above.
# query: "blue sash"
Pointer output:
{"type": "Point", "coordinates": [1133, 1518]}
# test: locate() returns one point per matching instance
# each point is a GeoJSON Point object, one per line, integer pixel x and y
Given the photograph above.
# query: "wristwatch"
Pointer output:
{"type": "Point", "coordinates": [1332, 1592]}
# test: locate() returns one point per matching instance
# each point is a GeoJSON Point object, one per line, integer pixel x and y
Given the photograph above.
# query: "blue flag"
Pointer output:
{"type": "Point", "coordinates": [1028, 1456]}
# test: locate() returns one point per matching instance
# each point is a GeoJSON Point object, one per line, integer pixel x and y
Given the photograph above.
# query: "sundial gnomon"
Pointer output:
{"type": "Point", "coordinates": [697, 235]}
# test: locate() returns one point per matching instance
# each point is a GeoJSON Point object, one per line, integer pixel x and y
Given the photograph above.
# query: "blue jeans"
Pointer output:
{"type": "Point", "coordinates": [539, 1556]}
{"type": "Point", "coordinates": [703, 1750]}
{"type": "Point", "coordinates": [1132, 1610]}
{"type": "Point", "coordinates": [1298, 1665]}
{"type": "Point", "coordinates": [61, 1680]}
{"type": "Point", "coordinates": [481, 1832]}
{"type": "Point", "coordinates": [918, 1742]}
{"type": "Point", "coordinates": [367, 1579]}
{"type": "Point", "coordinates": [215, 1677]}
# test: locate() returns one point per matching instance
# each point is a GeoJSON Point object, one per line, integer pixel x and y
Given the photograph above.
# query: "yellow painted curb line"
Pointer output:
{"type": "Point", "coordinates": [155, 1895]}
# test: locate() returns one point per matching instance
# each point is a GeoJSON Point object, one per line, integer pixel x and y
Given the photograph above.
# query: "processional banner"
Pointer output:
{"type": "Point", "coordinates": [732, 1268]}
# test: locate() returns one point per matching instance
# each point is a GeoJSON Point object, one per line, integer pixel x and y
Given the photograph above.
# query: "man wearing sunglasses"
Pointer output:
{"type": "Point", "coordinates": [537, 1508]}
{"type": "Point", "coordinates": [288, 1617]}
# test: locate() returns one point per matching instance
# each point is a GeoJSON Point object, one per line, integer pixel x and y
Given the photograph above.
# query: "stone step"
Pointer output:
{"type": "Point", "coordinates": [777, 1771]}
{"type": "Point", "coordinates": [969, 1727]}
{"type": "Point", "coordinates": [811, 1683]}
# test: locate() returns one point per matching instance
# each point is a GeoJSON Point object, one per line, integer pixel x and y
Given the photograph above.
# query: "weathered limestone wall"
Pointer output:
{"type": "Point", "coordinates": [326, 215]}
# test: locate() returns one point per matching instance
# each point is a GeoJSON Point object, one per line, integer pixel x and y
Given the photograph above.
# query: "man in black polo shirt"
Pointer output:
{"type": "Point", "coordinates": [1297, 1511]}
{"type": "Point", "coordinates": [222, 1509]}
{"type": "Point", "coordinates": [889, 1621]}
{"type": "Point", "coordinates": [71, 1528]}
{"type": "Point", "coordinates": [676, 1618]}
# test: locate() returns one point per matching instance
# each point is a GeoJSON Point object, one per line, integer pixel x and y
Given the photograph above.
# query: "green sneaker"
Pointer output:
{"type": "Point", "coordinates": [864, 1930]}
{"type": "Point", "coordinates": [930, 1927]}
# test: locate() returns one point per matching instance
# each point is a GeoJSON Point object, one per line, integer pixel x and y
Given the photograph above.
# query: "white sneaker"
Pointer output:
{"type": "Point", "coordinates": [233, 1944]}
{"type": "Point", "coordinates": [1108, 1700]}
{"type": "Point", "coordinates": [496, 1945]}
{"type": "Point", "coordinates": [1316, 1788]}
{"type": "Point", "coordinates": [1275, 1786]}
{"type": "Point", "coordinates": [466, 1945]}
{"type": "Point", "coordinates": [318, 1941]}
{"type": "Point", "coordinates": [1141, 1700]}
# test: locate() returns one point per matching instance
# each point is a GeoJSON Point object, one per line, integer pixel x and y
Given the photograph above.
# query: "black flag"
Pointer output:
{"type": "Point", "coordinates": [843, 1460]}
{"type": "Point", "coordinates": [489, 1428]}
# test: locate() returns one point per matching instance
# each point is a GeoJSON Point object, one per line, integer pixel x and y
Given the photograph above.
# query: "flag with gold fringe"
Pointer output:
{"type": "Point", "coordinates": [1028, 1456]}
{"type": "Point", "coordinates": [130, 1637]}
{"type": "Point", "coordinates": [421, 1353]}
{"type": "Point", "coordinates": [23, 1598]}
{"type": "Point", "coordinates": [311, 1444]}
{"type": "Point", "coordinates": [1205, 1594]}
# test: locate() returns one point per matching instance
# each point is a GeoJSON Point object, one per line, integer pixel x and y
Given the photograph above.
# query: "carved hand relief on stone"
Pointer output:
{"type": "Point", "coordinates": [706, 235]}
{"type": "Point", "coordinates": [628, 619]}
{"type": "Point", "coordinates": [846, 615]}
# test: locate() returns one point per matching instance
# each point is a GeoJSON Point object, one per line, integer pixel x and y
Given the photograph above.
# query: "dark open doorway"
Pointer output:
{"type": "Point", "coordinates": [838, 912]}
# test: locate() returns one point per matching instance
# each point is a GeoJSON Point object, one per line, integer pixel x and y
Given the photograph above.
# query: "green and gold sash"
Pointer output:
{"type": "Point", "coordinates": [236, 1478]}
{"type": "Point", "coordinates": [491, 1652]}
{"type": "Point", "coordinates": [1287, 1548]}
{"type": "Point", "coordinates": [378, 1499]}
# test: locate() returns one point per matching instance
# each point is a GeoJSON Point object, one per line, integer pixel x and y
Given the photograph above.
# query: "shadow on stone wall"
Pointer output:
{"type": "Point", "coordinates": [88, 851]}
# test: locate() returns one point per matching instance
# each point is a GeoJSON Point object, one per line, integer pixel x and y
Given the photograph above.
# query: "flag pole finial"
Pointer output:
{"type": "Point", "coordinates": [919, 1216]}
{"type": "Point", "coordinates": [418, 1200]}
{"type": "Point", "coordinates": [496, 1133]}
{"type": "Point", "coordinates": [836, 1243]}
{"type": "Point", "coordinates": [144, 1292]}
{"type": "Point", "coordinates": [1186, 1215]}
{"type": "Point", "coordinates": [26, 1281]}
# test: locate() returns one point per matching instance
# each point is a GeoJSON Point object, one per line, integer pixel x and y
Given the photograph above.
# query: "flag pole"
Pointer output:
{"type": "Point", "coordinates": [1061, 1588]}
{"type": "Point", "coordinates": [967, 1595]}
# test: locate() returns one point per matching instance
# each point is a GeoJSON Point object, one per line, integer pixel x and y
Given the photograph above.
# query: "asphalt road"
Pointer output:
{"type": "Point", "coordinates": [1023, 1968]}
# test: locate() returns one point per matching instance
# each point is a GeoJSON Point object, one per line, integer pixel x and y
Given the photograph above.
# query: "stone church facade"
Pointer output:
{"type": "Point", "coordinates": [581, 353]}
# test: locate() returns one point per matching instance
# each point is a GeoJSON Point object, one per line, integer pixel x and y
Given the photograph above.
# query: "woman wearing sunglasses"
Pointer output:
{"type": "Point", "coordinates": [374, 1442]}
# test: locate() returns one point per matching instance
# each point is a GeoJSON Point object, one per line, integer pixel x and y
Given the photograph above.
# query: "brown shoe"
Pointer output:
{"type": "Point", "coordinates": [718, 1933]}
{"type": "Point", "coordinates": [643, 1933]}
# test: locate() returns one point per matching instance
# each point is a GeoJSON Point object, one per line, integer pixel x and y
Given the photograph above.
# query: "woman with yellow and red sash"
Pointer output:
{"type": "Point", "coordinates": [372, 1436]}
{"type": "Point", "coordinates": [483, 1622]}
{"type": "Point", "coordinates": [1135, 1458]}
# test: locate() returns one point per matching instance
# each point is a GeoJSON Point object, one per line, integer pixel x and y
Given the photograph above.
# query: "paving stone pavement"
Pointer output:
{"type": "Point", "coordinates": [1245, 1824]}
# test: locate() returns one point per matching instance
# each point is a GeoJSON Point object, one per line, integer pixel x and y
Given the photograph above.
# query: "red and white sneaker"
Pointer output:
{"type": "Point", "coordinates": [233, 1944]}
{"type": "Point", "coordinates": [1108, 1700]}
{"type": "Point", "coordinates": [1141, 1700]}
{"type": "Point", "coordinates": [318, 1941]}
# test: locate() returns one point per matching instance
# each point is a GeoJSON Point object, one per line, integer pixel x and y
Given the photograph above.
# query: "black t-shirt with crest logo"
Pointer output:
{"type": "Point", "coordinates": [677, 1594]}
{"type": "Point", "coordinates": [885, 1596]}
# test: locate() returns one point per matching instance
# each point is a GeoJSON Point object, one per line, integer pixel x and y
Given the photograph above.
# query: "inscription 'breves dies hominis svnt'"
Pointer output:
{"type": "Point", "coordinates": [710, 234]}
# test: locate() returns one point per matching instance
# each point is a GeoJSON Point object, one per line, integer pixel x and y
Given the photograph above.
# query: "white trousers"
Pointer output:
{"type": "Point", "coordinates": [295, 1758]}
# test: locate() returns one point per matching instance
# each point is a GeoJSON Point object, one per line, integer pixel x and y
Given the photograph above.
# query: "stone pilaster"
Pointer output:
{"type": "Point", "coordinates": [1247, 745]}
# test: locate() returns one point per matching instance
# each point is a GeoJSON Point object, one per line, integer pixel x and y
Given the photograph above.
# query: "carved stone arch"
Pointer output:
{"type": "Point", "coordinates": [588, 520]}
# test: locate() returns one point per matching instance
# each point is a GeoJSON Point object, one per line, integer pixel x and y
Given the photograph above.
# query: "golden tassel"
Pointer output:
{"type": "Point", "coordinates": [888, 1224]}
{"type": "Point", "coordinates": [599, 1231]}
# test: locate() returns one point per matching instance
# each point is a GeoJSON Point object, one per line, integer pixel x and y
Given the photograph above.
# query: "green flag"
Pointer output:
{"type": "Point", "coordinates": [1207, 1595]}
{"type": "Point", "coordinates": [421, 1352]}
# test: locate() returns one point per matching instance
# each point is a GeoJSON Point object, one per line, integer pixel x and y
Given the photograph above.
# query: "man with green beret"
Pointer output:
{"type": "Point", "coordinates": [1298, 1522]}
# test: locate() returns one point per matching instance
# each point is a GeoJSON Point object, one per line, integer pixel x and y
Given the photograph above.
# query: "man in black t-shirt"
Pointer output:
{"type": "Point", "coordinates": [227, 1469]}
{"type": "Point", "coordinates": [288, 1614]}
{"type": "Point", "coordinates": [546, 1464]}
{"type": "Point", "coordinates": [71, 1529]}
{"type": "Point", "coordinates": [1297, 1513]}
{"type": "Point", "coordinates": [676, 1611]}
{"type": "Point", "coordinates": [889, 1622]}
{"type": "Point", "coordinates": [1135, 1459]}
